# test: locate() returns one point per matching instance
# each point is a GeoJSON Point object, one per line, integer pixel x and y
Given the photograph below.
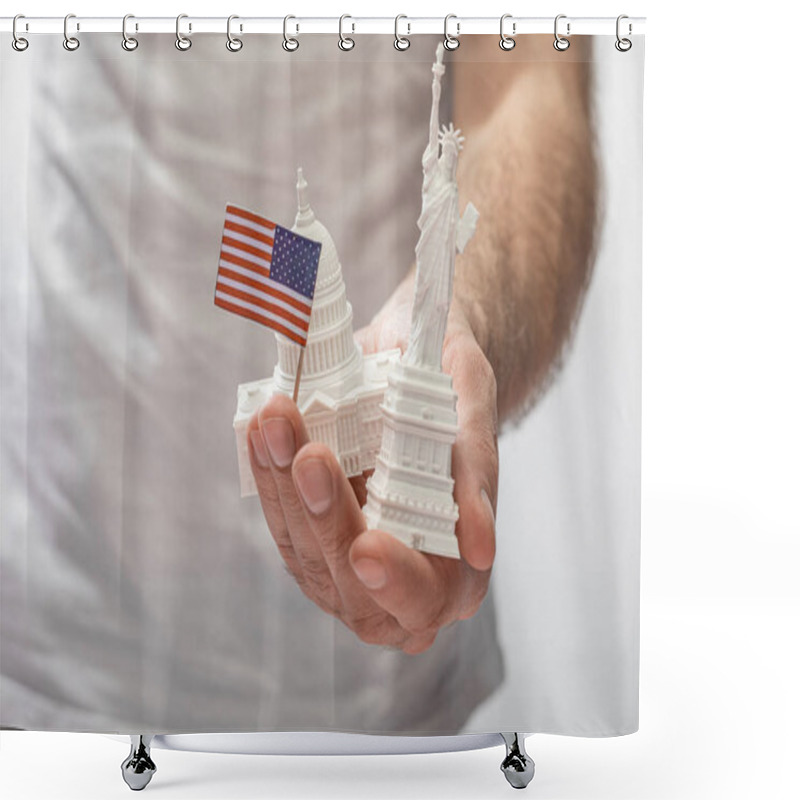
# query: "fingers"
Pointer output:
{"type": "Point", "coordinates": [270, 499]}
{"type": "Point", "coordinates": [334, 517]}
{"type": "Point", "coordinates": [283, 433]}
{"type": "Point", "coordinates": [475, 456]}
{"type": "Point", "coordinates": [328, 504]}
{"type": "Point", "coordinates": [313, 515]}
{"type": "Point", "coordinates": [423, 592]}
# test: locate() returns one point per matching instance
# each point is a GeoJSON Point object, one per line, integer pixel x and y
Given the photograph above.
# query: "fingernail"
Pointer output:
{"type": "Point", "coordinates": [278, 433]}
{"type": "Point", "coordinates": [314, 482]}
{"type": "Point", "coordinates": [370, 572]}
{"type": "Point", "coordinates": [488, 503]}
{"type": "Point", "coordinates": [257, 443]}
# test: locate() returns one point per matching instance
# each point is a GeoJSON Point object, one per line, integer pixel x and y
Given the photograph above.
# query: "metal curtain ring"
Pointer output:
{"type": "Point", "coordinates": [129, 43]}
{"type": "Point", "coordinates": [623, 45]}
{"type": "Point", "coordinates": [182, 42]}
{"type": "Point", "coordinates": [18, 42]}
{"type": "Point", "coordinates": [233, 44]}
{"type": "Point", "coordinates": [71, 43]}
{"type": "Point", "coordinates": [506, 42]}
{"type": "Point", "coordinates": [560, 43]}
{"type": "Point", "coordinates": [345, 42]}
{"type": "Point", "coordinates": [401, 42]}
{"type": "Point", "coordinates": [290, 44]}
{"type": "Point", "coordinates": [451, 42]}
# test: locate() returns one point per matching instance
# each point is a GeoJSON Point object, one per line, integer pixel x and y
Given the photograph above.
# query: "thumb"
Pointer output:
{"type": "Point", "coordinates": [475, 455]}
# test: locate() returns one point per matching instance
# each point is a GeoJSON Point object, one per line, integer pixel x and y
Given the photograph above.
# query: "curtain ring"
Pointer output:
{"type": "Point", "coordinates": [507, 42]}
{"type": "Point", "coordinates": [560, 43]}
{"type": "Point", "coordinates": [345, 42]}
{"type": "Point", "coordinates": [401, 42]}
{"type": "Point", "coordinates": [233, 44]}
{"type": "Point", "coordinates": [129, 43]}
{"type": "Point", "coordinates": [19, 43]}
{"type": "Point", "coordinates": [182, 42]}
{"type": "Point", "coordinates": [623, 45]}
{"type": "Point", "coordinates": [451, 42]}
{"type": "Point", "coordinates": [71, 43]}
{"type": "Point", "coordinates": [290, 44]}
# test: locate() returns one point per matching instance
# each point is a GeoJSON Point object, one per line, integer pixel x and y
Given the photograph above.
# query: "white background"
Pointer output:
{"type": "Point", "coordinates": [721, 443]}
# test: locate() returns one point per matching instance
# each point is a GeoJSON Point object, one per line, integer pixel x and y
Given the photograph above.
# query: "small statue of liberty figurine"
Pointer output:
{"type": "Point", "coordinates": [442, 234]}
{"type": "Point", "coordinates": [410, 493]}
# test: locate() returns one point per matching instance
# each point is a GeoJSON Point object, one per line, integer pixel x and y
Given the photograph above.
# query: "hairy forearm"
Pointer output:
{"type": "Point", "coordinates": [528, 166]}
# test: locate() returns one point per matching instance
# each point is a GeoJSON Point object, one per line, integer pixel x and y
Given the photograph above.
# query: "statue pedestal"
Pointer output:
{"type": "Point", "coordinates": [410, 494]}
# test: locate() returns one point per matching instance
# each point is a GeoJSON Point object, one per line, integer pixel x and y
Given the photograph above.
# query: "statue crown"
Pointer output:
{"type": "Point", "coordinates": [451, 135]}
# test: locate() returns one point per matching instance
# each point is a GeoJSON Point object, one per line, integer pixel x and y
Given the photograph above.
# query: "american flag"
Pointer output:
{"type": "Point", "coordinates": [267, 273]}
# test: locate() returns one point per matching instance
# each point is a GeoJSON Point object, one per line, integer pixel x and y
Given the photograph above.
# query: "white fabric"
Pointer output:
{"type": "Point", "coordinates": [139, 592]}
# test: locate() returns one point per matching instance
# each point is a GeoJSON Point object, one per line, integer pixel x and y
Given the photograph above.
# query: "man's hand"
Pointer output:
{"type": "Point", "coordinates": [383, 590]}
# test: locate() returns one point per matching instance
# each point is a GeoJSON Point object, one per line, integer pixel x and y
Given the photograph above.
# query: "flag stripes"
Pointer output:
{"type": "Point", "coordinates": [248, 283]}
{"type": "Point", "coordinates": [266, 299]}
{"type": "Point", "coordinates": [243, 311]}
{"type": "Point", "coordinates": [230, 245]}
{"type": "Point", "coordinates": [246, 233]}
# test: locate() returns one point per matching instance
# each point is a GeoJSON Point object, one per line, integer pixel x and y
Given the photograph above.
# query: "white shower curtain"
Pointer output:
{"type": "Point", "coordinates": [140, 592]}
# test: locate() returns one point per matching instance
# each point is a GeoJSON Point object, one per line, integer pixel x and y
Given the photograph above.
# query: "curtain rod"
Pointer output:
{"type": "Point", "coordinates": [457, 26]}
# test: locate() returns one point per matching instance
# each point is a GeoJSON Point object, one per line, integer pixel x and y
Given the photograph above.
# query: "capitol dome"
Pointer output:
{"type": "Point", "coordinates": [332, 361]}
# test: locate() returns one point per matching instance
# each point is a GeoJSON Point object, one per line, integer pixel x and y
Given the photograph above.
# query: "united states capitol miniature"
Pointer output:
{"type": "Point", "coordinates": [341, 389]}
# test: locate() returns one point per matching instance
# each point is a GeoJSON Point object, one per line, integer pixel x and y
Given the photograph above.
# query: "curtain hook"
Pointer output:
{"type": "Point", "coordinates": [560, 43]}
{"type": "Point", "coordinates": [623, 45]}
{"type": "Point", "coordinates": [18, 42]}
{"type": "Point", "coordinates": [71, 43]}
{"type": "Point", "coordinates": [507, 42]}
{"type": "Point", "coordinates": [401, 42]}
{"type": "Point", "coordinates": [451, 42]}
{"type": "Point", "coordinates": [233, 44]}
{"type": "Point", "coordinates": [182, 42]}
{"type": "Point", "coordinates": [290, 44]}
{"type": "Point", "coordinates": [129, 43]}
{"type": "Point", "coordinates": [345, 42]}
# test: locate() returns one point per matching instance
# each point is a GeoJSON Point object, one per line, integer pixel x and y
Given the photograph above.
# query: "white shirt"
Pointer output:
{"type": "Point", "coordinates": [140, 593]}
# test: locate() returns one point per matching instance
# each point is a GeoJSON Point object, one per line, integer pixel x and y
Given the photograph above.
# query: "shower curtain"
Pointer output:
{"type": "Point", "coordinates": [141, 592]}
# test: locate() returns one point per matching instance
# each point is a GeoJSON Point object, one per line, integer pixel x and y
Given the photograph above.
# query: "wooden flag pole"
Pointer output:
{"type": "Point", "coordinates": [297, 376]}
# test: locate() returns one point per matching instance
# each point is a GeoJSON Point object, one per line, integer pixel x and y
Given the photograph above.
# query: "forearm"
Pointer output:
{"type": "Point", "coordinates": [528, 166]}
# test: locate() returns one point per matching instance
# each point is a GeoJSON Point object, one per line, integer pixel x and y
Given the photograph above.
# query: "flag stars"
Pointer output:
{"type": "Point", "coordinates": [295, 261]}
{"type": "Point", "coordinates": [284, 304]}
